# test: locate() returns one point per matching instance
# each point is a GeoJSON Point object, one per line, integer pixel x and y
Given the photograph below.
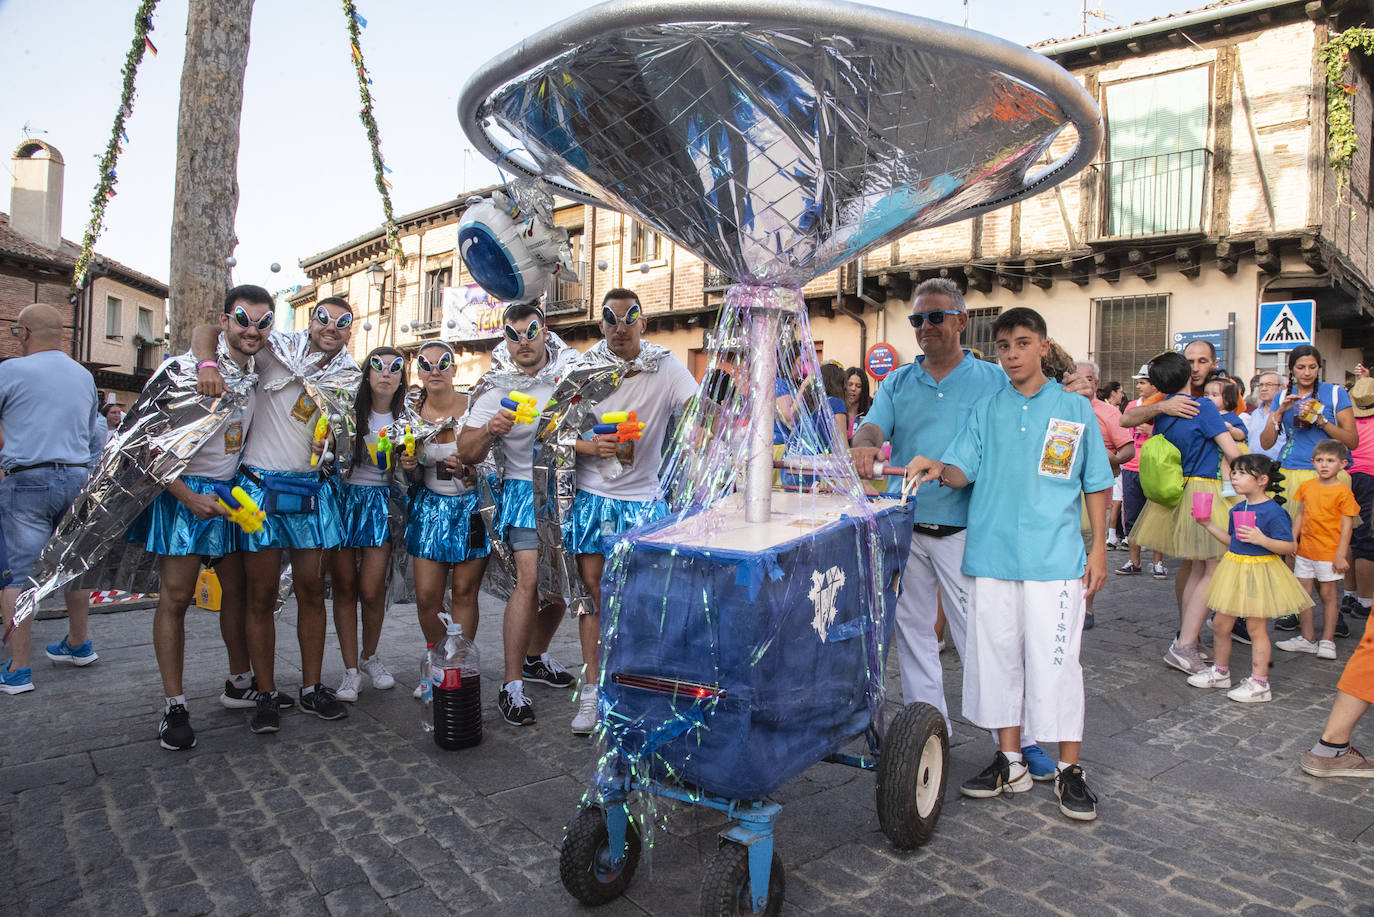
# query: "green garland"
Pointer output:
{"type": "Point", "coordinates": [104, 189]}
{"type": "Point", "coordinates": [393, 239]}
{"type": "Point", "coordinates": [1341, 136]}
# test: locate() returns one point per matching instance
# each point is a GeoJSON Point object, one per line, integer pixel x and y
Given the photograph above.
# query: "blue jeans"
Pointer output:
{"type": "Point", "coordinates": [31, 503]}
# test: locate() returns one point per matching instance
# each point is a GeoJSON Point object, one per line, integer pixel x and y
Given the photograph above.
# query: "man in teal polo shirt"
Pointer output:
{"type": "Point", "coordinates": [1032, 449]}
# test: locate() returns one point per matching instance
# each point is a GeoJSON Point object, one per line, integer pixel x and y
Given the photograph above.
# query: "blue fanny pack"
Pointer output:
{"type": "Point", "coordinates": [289, 495]}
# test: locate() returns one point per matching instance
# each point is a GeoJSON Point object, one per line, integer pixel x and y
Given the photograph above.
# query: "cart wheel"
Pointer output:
{"type": "Point", "coordinates": [585, 866]}
{"type": "Point", "coordinates": [913, 766]}
{"type": "Point", "coordinates": [725, 888]}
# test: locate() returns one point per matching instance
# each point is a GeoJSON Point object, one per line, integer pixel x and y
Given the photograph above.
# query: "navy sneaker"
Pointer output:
{"type": "Point", "coordinates": [1240, 632]}
{"type": "Point", "coordinates": [1286, 622]}
{"type": "Point", "coordinates": [175, 732]}
{"type": "Point", "coordinates": [1342, 628]}
{"type": "Point", "coordinates": [62, 651]}
{"type": "Point", "coordinates": [16, 682]}
{"type": "Point", "coordinates": [323, 704]}
{"type": "Point", "coordinates": [1041, 765]}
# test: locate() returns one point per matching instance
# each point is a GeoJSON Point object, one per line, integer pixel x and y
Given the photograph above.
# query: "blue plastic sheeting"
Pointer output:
{"type": "Point", "coordinates": [797, 686]}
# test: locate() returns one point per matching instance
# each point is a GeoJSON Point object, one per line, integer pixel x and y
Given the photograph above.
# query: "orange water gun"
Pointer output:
{"type": "Point", "coordinates": [623, 425]}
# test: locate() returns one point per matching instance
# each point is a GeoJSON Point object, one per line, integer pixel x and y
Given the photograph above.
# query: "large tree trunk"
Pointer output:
{"type": "Point", "coordinates": [207, 191]}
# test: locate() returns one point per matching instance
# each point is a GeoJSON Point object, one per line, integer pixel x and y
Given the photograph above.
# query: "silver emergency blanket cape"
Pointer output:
{"type": "Point", "coordinates": [400, 585]}
{"type": "Point", "coordinates": [570, 413]}
{"type": "Point", "coordinates": [164, 428]}
{"type": "Point", "coordinates": [332, 385]}
{"type": "Point", "coordinates": [504, 374]}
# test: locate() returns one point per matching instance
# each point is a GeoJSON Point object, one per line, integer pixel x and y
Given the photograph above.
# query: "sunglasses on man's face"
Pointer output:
{"type": "Point", "coordinates": [389, 366]}
{"type": "Point", "coordinates": [530, 334]}
{"type": "Point", "coordinates": [443, 363]}
{"type": "Point", "coordinates": [918, 319]}
{"type": "Point", "coordinates": [632, 315]}
{"type": "Point", "coordinates": [244, 321]}
{"type": "Point", "coordinates": [342, 322]}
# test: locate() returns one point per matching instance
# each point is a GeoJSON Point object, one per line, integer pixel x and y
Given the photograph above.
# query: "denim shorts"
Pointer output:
{"type": "Point", "coordinates": [522, 538]}
{"type": "Point", "coordinates": [31, 503]}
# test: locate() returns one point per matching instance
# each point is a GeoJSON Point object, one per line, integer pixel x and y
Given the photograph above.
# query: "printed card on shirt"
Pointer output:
{"type": "Point", "coordinates": [233, 438]}
{"type": "Point", "coordinates": [1062, 438]}
{"type": "Point", "coordinates": [303, 409]}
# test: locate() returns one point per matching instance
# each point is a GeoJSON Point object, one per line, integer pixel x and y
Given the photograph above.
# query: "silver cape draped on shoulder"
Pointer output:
{"type": "Point", "coordinates": [165, 427]}
{"type": "Point", "coordinates": [332, 385]}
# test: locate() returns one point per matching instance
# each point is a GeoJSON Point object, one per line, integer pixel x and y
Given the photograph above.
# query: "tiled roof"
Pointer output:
{"type": "Point", "coordinates": [14, 245]}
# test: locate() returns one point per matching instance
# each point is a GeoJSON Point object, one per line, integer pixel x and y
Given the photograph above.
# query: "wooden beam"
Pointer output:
{"type": "Point", "coordinates": [1227, 257]}
{"type": "Point", "coordinates": [1188, 264]}
{"type": "Point", "coordinates": [1041, 277]}
{"type": "Point", "coordinates": [1076, 269]}
{"type": "Point", "coordinates": [1141, 263]}
{"type": "Point", "coordinates": [977, 278]}
{"type": "Point", "coordinates": [1007, 278]}
{"type": "Point", "coordinates": [1312, 254]}
{"type": "Point", "coordinates": [1221, 146]}
{"type": "Point", "coordinates": [1267, 256]}
{"type": "Point", "coordinates": [956, 276]}
{"type": "Point", "coordinates": [896, 285]}
{"type": "Point", "coordinates": [1105, 266]}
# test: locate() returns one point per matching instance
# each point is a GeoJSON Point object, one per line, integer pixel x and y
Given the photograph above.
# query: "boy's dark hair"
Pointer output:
{"type": "Point", "coordinates": [1169, 372]}
{"type": "Point", "coordinates": [1256, 464]}
{"type": "Point", "coordinates": [1332, 447]}
{"type": "Point", "coordinates": [335, 301]}
{"type": "Point", "coordinates": [1020, 317]}
{"type": "Point", "coordinates": [519, 310]}
{"type": "Point", "coordinates": [621, 293]}
{"type": "Point", "coordinates": [1230, 391]}
{"type": "Point", "coordinates": [249, 293]}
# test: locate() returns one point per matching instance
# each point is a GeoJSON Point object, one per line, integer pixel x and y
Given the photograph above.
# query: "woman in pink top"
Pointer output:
{"type": "Point", "coordinates": [1362, 483]}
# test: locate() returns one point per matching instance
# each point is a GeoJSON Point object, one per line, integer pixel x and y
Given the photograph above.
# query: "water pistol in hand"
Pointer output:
{"type": "Point", "coordinates": [623, 425]}
{"type": "Point", "coordinates": [241, 508]}
{"type": "Point", "coordinates": [321, 434]}
{"type": "Point", "coordinates": [384, 447]}
{"type": "Point", "coordinates": [409, 442]}
{"type": "Point", "coordinates": [524, 406]}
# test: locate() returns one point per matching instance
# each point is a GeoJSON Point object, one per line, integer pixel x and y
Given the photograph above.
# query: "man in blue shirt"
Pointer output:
{"type": "Point", "coordinates": [1032, 448]}
{"type": "Point", "coordinates": [50, 414]}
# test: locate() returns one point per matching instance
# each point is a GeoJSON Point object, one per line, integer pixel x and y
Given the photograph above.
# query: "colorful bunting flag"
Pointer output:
{"type": "Point", "coordinates": [148, 43]}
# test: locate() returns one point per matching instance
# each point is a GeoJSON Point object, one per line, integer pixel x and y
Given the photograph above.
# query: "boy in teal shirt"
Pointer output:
{"type": "Point", "coordinates": [1026, 449]}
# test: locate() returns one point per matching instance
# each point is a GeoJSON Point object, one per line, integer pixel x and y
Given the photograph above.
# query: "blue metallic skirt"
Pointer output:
{"type": "Point", "coordinates": [446, 529]}
{"type": "Point", "coordinates": [321, 529]}
{"type": "Point", "coordinates": [517, 506]}
{"type": "Point", "coordinates": [596, 518]}
{"type": "Point", "coordinates": [364, 512]}
{"type": "Point", "coordinates": [166, 527]}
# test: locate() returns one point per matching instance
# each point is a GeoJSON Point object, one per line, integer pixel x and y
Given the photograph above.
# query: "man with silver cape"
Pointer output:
{"type": "Point", "coordinates": [593, 483]}
{"type": "Point", "coordinates": [529, 362]}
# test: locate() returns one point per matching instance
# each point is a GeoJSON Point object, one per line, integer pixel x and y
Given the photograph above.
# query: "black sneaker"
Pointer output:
{"type": "Point", "coordinates": [1286, 622]}
{"type": "Point", "coordinates": [1075, 799]}
{"type": "Point", "coordinates": [1240, 632]}
{"type": "Point", "coordinates": [1000, 777]}
{"type": "Point", "coordinates": [266, 718]}
{"type": "Point", "coordinates": [1359, 611]}
{"type": "Point", "coordinates": [547, 672]}
{"type": "Point", "coordinates": [1088, 621]}
{"type": "Point", "coordinates": [323, 704]}
{"type": "Point", "coordinates": [1348, 604]}
{"type": "Point", "coordinates": [515, 707]}
{"type": "Point", "coordinates": [1342, 628]}
{"type": "Point", "coordinates": [175, 733]}
{"type": "Point", "coordinates": [233, 698]}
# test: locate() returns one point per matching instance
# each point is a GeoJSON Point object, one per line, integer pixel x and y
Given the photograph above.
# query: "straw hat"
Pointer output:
{"type": "Point", "coordinates": [1362, 396]}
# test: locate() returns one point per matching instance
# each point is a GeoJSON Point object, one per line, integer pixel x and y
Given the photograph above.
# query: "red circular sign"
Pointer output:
{"type": "Point", "coordinates": [881, 360]}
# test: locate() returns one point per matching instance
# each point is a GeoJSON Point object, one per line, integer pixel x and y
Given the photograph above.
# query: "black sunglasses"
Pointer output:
{"type": "Point", "coordinates": [531, 332]}
{"type": "Point", "coordinates": [439, 366]}
{"type": "Point", "coordinates": [244, 321]}
{"type": "Point", "coordinates": [918, 319]}
{"type": "Point", "coordinates": [343, 321]}
{"type": "Point", "coordinates": [393, 367]}
{"type": "Point", "coordinates": [632, 315]}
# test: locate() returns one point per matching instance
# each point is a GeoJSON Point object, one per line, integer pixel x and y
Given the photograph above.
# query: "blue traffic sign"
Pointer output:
{"type": "Point", "coordinates": [1282, 326]}
{"type": "Point", "coordinates": [1216, 337]}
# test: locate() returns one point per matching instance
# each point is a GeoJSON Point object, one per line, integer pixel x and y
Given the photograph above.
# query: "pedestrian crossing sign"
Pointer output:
{"type": "Point", "coordinates": [1282, 326]}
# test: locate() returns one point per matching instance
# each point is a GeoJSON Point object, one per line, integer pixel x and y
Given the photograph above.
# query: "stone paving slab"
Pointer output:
{"type": "Point", "coordinates": [1203, 808]}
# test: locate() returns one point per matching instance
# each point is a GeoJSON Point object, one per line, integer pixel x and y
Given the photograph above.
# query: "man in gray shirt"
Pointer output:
{"type": "Point", "coordinates": [53, 434]}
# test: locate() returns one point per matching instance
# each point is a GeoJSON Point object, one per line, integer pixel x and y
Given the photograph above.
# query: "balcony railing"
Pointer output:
{"type": "Point", "coordinates": [713, 280]}
{"type": "Point", "coordinates": [567, 297]}
{"type": "Point", "coordinates": [1167, 194]}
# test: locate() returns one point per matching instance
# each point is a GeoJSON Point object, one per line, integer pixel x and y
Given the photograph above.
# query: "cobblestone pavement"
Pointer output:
{"type": "Point", "coordinates": [1203, 808]}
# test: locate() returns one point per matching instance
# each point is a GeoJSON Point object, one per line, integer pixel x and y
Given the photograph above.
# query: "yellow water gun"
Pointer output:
{"type": "Point", "coordinates": [242, 509]}
{"type": "Point", "coordinates": [524, 406]}
{"type": "Point", "coordinates": [321, 434]}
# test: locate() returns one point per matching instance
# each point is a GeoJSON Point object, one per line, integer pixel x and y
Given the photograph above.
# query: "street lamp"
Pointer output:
{"type": "Point", "coordinates": [376, 279]}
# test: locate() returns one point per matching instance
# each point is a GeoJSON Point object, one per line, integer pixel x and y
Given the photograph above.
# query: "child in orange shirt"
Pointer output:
{"type": "Point", "coordinates": [1327, 511]}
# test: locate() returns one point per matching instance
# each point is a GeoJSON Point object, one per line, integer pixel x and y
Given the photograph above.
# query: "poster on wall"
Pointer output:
{"type": "Point", "coordinates": [471, 314]}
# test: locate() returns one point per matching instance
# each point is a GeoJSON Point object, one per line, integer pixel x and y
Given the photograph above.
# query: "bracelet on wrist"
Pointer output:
{"type": "Point", "coordinates": [204, 363]}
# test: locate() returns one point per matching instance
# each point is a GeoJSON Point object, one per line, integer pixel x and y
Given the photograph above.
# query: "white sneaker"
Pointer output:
{"type": "Point", "coordinates": [1300, 644]}
{"type": "Point", "coordinates": [1250, 691]}
{"type": "Point", "coordinates": [1159, 571]}
{"type": "Point", "coordinates": [349, 685]}
{"type": "Point", "coordinates": [942, 645]}
{"type": "Point", "coordinates": [1113, 544]}
{"type": "Point", "coordinates": [1210, 679]}
{"type": "Point", "coordinates": [381, 678]}
{"type": "Point", "coordinates": [1326, 649]}
{"type": "Point", "coordinates": [585, 721]}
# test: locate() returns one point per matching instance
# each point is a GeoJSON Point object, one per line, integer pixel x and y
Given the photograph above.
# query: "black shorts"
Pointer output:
{"type": "Point", "coordinates": [1362, 538]}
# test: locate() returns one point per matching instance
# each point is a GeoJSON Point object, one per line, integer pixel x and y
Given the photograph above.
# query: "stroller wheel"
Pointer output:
{"type": "Point", "coordinates": [913, 767]}
{"type": "Point", "coordinates": [726, 891]}
{"type": "Point", "coordinates": [588, 867]}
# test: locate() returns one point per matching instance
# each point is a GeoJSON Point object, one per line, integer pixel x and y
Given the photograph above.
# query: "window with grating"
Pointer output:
{"type": "Point", "coordinates": [978, 333]}
{"type": "Point", "coordinates": [1130, 331]}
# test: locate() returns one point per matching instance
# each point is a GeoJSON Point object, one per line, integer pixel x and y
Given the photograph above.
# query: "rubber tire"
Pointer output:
{"type": "Point", "coordinates": [586, 841]}
{"type": "Point", "coordinates": [903, 785]}
{"type": "Point", "coordinates": [725, 890]}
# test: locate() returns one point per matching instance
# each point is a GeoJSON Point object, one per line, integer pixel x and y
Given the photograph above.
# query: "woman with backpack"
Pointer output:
{"type": "Point", "coordinates": [1181, 466]}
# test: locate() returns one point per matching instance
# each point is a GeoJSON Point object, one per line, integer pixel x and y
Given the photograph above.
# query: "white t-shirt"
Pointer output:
{"type": "Point", "coordinates": [365, 473]}
{"type": "Point", "coordinates": [284, 422]}
{"type": "Point", "coordinates": [218, 457]}
{"type": "Point", "coordinates": [518, 444]}
{"type": "Point", "coordinates": [653, 397]}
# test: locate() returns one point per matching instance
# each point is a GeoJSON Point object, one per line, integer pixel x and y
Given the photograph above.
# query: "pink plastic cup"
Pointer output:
{"type": "Point", "coordinates": [1202, 506]}
{"type": "Point", "coordinates": [1243, 519]}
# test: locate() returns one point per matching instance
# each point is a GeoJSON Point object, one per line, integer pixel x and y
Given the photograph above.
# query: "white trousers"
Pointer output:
{"type": "Point", "coordinates": [1022, 666]}
{"type": "Point", "coordinates": [933, 563]}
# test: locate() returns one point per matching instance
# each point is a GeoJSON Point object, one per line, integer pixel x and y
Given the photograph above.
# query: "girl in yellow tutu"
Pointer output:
{"type": "Point", "coordinates": [1251, 581]}
{"type": "Point", "coordinates": [1202, 440]}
